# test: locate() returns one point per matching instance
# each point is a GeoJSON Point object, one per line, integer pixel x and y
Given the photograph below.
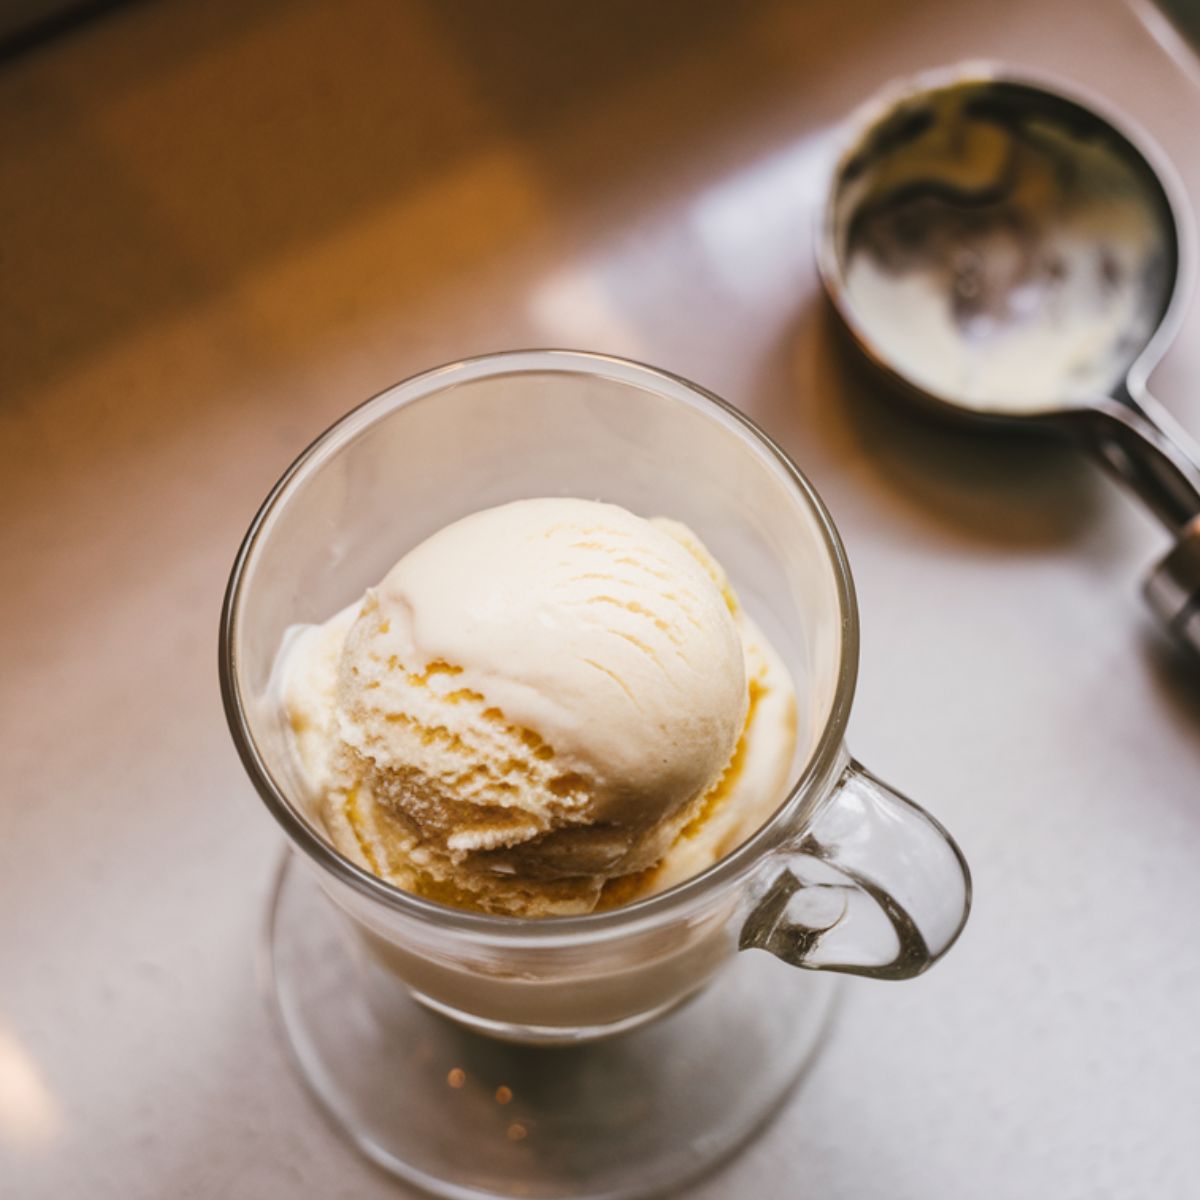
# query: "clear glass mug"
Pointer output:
{"type": "Point", "coordinates": [846, 876]}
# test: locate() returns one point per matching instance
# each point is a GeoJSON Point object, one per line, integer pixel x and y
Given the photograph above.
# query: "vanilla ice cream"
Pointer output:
{"type": "Point", "coordinates": [545, 708]}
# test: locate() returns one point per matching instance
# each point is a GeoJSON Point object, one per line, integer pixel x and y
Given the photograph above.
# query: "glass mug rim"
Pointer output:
{"type": "Point", "coordinates": [821, 765]}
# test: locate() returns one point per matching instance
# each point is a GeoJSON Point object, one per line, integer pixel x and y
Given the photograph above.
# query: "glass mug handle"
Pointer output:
{"type": "Point", "coordinates": [873, 886]}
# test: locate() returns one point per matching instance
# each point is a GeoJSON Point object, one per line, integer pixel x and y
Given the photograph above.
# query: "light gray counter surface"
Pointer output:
{"type": "Point", "coordinates": [223, 224]}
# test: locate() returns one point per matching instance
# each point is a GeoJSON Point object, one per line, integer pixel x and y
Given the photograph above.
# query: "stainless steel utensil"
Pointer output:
{"type": "Point", "coordinates": [1010, 253]}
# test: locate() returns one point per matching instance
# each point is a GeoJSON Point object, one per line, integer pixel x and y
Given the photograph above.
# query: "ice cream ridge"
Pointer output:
{"type": "Point", "coordinates": [546, 708]}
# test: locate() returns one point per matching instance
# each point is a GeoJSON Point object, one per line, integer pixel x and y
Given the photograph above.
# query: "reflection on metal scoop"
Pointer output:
{"type": "Point", "coordinates": [1006, 254]}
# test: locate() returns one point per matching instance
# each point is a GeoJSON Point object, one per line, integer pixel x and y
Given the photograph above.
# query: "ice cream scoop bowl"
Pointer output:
{"type": "Point", "coordinates": [527, 1089]}
{"type": "Point", "coordinates": [1011, 253]}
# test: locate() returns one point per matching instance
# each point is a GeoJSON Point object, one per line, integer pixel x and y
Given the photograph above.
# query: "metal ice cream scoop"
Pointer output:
{"type": "Point", "coordinates": [1008, 254]}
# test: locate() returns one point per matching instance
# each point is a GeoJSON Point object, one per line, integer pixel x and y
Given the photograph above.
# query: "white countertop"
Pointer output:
{"type": "Point", "coordinates": [223, 224]}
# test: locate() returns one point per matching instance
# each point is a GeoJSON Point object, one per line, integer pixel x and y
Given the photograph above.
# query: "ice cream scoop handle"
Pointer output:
{"type": "Point", "coordinates": [1173, 587]}
{"type": "Point", "coordinates": [872, 886]}
{"type": "Point", "coordinates": [1137, 441]}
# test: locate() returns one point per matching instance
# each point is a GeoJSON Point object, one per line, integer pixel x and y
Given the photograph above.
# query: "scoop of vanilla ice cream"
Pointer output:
{"type": "Point", "coordinates": [539, 700]}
